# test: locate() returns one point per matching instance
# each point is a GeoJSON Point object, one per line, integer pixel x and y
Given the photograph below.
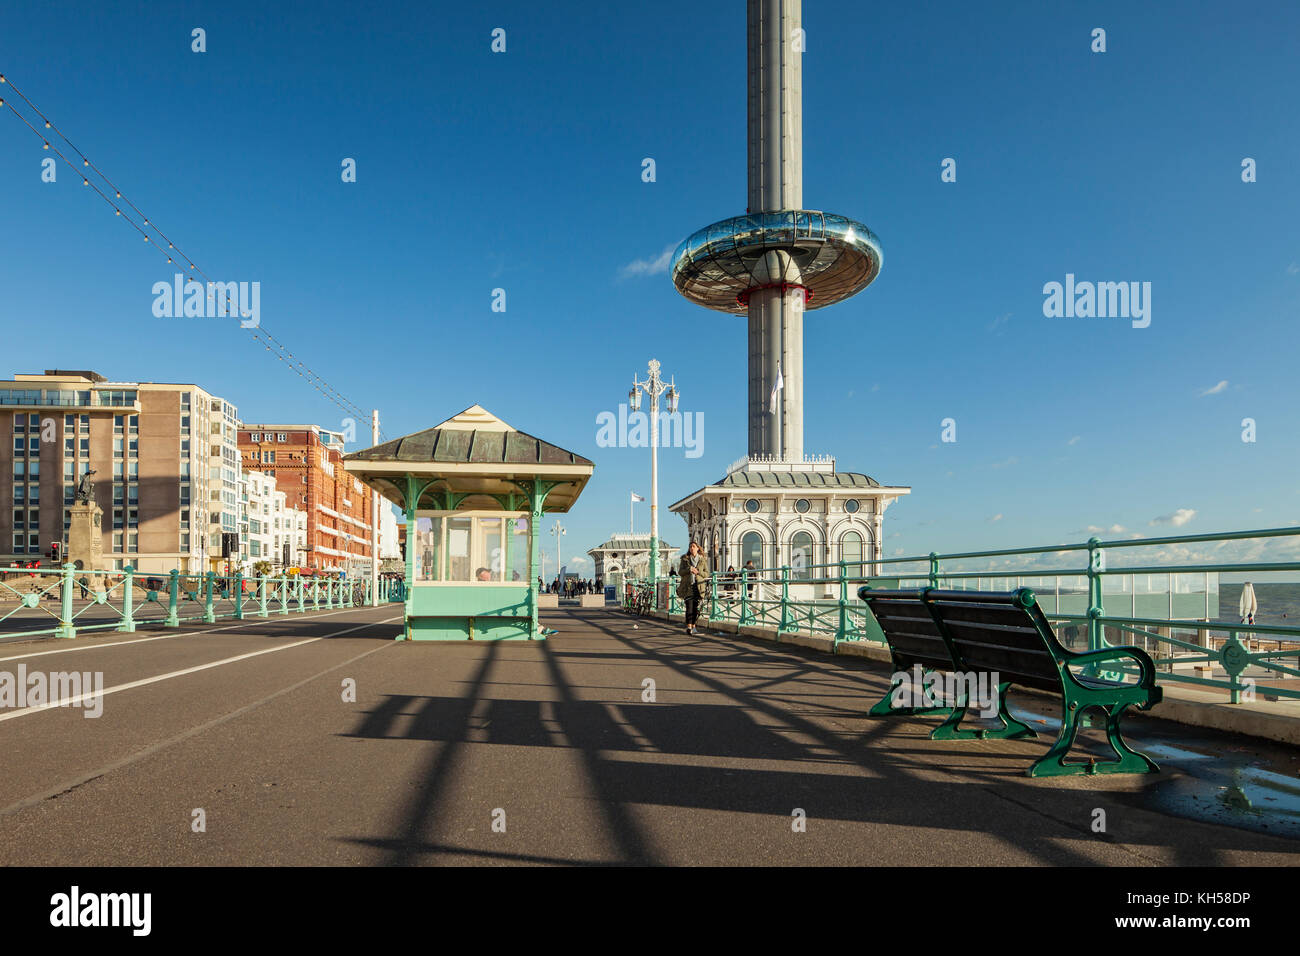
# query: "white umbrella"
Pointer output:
{"type": "Point", "coordinates": [1248, 607]}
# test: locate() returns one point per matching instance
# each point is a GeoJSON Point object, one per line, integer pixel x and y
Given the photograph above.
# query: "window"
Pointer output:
{"type": "Point", "coordinates": [281, 437]}
{"type": "Point", "coordinates": [19, 444]}
{"type": "Point", "coordinates": [34, 468]}
{"type": "Point", "coordinates": [69, 447]}
{"type": "Point", "coordinates": [801, 506]}
{"type": "Point", "coordinates": [751, 549]}
{"type": "Point", "coordinates": [33, 494]}
{"type": "Point", "coordinates": [119, 424]}
{"type": "Point", "coordinates": [33, 544]}
{"type": "Point", "coordinates": [19, 517]}
{"type": "Point", "coordinates": [801, 556]}
{"type": "Point", "coordinates": [752, 506]}
{"type": "Point", "coordinates": [118, 450]}
{"type": "Point", "coordinates": [851, 506]}
{"type": "Point", "coordinates": [83, 425]}
{"type": "Point", "coordinates": [85, 447]}
{"type": "Point", "coordinates": [268, 457]}
{"type": "Point", "coordinates": [255, 436]}
{"type": "Point", "coordinates": [20, 468]}
{"type": "Point", "coordinates": [69, 421]}
{"type": "Point", "coordinates": [117, 493]}
{"type": "Point", "coordinates": [133, 423]}
{"type": "Point", "coordinates": [117, 519]}
{"type": "Point", "coordinates": [133, 493]}
{"type": "Point", "coordinates": [851, 554]}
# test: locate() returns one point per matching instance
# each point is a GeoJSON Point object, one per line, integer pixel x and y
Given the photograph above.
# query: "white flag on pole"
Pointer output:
{"type": "Point", "coordinates": [780, 384]}
{"type": "Point", "coordinates": [636, 497]}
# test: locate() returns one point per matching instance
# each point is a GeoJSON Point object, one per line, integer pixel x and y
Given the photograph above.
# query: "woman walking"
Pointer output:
{"type": "Point", "coordinates": [692, 579]}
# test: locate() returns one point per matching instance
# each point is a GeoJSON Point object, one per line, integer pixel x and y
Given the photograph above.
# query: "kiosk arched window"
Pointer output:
{"type": "Point", "coordinates": [751, 549]}
{"type": "Point", "coordinates": [851, 554]}
{"type": "Point", "coordinates": [801, 556]}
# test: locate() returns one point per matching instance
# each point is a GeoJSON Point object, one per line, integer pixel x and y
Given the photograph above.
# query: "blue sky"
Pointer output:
{"type": "Point", "coordinates": [522, 171]}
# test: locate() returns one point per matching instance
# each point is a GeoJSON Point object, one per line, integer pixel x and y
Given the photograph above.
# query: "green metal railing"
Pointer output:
{"type": "Point", "coordinates": [69, 600]}
{"type": "Point", "coordinates": [1092, 607]}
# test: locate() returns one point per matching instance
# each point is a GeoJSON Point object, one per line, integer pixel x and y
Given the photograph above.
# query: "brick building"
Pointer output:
{"type": "Point", "coordinates": [307, 464]}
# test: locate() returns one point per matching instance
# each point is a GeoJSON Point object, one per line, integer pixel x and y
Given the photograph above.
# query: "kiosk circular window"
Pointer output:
{"type": "Point", "coordinates": [752, 506]}
{"type": "Point", "coordinates": [851, 506]}
{"type": "Point", "coordinates": [801, 506]}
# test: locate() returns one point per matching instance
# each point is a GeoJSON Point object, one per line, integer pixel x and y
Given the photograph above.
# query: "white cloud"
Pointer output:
{"type": "Point", "coordinates": [648, 267]}
{"type": "Point", "coordinates": [1074, 440]}
{"type": "Point", "coordinates": [1000, 321]}
{"type": "Point", "coordinates": [1177, 518]}
{"type": "Point", "coordinates": [997, 517]}
{"type": "Point", "coordinates": [1098, 529]}
{"type": "Point", "coordinates": [1215, 390]}
{"type": "Point", "coordinates": [578, 560]}
{"type": "Point", "coordinates": [1293, 269]}
{"type": "Point", "coordinates": [1004, 464]}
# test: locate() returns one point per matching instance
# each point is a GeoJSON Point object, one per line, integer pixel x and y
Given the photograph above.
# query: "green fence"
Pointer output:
{"type": "Point", "coordinates": [65, 601]}
{"type": "Point", "coordinates": [1167, 603]}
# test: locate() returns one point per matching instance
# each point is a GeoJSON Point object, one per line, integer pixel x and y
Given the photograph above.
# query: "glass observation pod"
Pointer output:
{"type": "Point", "coordinates": [473, 491]}
{"type": "Point", "coordinates": [831, 256]}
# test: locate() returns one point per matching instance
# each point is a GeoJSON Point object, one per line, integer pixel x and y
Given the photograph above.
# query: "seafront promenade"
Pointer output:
{"type": "Point", "coordinates": [318, 739]}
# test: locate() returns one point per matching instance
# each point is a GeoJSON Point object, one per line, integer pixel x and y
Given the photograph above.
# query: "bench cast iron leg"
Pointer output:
{"type": "Point", "coordinates": [1011, 728]}
{"type": "Point", "coordinates": [886, 707]}
{"type": "Point", "coordinates": [1129, 760]}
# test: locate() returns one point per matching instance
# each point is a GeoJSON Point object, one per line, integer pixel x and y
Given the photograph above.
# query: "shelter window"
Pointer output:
{"type": "Point", "coordinates": [470, 548]}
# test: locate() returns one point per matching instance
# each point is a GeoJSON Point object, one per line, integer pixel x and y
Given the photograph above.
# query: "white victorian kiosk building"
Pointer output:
{"type": "Point", "coordinates": [795, 514]}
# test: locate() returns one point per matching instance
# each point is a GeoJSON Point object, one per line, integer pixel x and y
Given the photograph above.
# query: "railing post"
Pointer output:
{"type": "Point", "coordinates": [713, 597]}
{"type": "Point", "coordinates": [239, 595]}
{"type": "Point", "coordinates": [284, 594]}
{"type": "Point", "coordinates": [744, 596]}
{"type": "Point", "coordinates": [209, 615]}
{"type": "Point", "coordinates": [65, 628]}
{"type": "Point", "coordinates": [315, 594]}
{"type": "Point", "coordinates": [173, 599]}
{"type": "Point", "coordinates": [785, 598]}
{"type": "Point", "coordinates": [1096, 564]}
{"type": "Point", "coordinates": [672, 597]}
{"type": "Point", "coordinates": [842, 632]}
{"type": "Point", "coordinates": [302, 604]}
{"type": "Point", "coordinates": [128, 600]}
{"type": "Point", "coordinates": [934, 569]}
{"type": "Point", "coordinates": [261, 595]}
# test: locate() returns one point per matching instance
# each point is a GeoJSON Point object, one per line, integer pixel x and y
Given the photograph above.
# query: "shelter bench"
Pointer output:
{"type": "Point", "coordinates": [1005, 637]}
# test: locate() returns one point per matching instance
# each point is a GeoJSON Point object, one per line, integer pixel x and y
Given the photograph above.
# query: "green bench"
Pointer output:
{"type": "Point", "coordinates": [957, 636]}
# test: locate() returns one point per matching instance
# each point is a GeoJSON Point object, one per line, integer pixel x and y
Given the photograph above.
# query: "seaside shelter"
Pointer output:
{"type": "Point", "coordinates": [474, 491]}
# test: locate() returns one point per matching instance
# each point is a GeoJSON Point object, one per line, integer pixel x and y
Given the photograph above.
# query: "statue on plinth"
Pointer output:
{"type": "Point", "coordinates": [86, 488]}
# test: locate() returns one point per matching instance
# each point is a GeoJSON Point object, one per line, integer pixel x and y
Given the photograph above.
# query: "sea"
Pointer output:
{"type": "Point", "coordinates": [1279, 603]}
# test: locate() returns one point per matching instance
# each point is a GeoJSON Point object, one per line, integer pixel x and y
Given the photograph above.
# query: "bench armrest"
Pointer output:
{"type": "Point", "coordinates": [1117, 653]}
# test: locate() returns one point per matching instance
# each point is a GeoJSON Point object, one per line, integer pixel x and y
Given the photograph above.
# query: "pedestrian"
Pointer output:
{"type": "Point", "coordinates": [749, 571]}
{"type": "Point", "coordinates": [85, 591]}
{"type": "Point", "coordinates": [693, 577]}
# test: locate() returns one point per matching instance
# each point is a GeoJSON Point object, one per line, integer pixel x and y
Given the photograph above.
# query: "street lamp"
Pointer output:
{"type": "Point", "coordinates": [559, 531]}
{"type": "Point", "coordinates": [654, 386]}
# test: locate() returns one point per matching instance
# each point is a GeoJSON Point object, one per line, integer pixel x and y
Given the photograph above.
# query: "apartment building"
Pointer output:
{"type": "Point", "coordinates": [165, 457]}
{"type": "Point", "coordinates": [306, 462]}
{"type": "Point", "coordinates": [276, 533]}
